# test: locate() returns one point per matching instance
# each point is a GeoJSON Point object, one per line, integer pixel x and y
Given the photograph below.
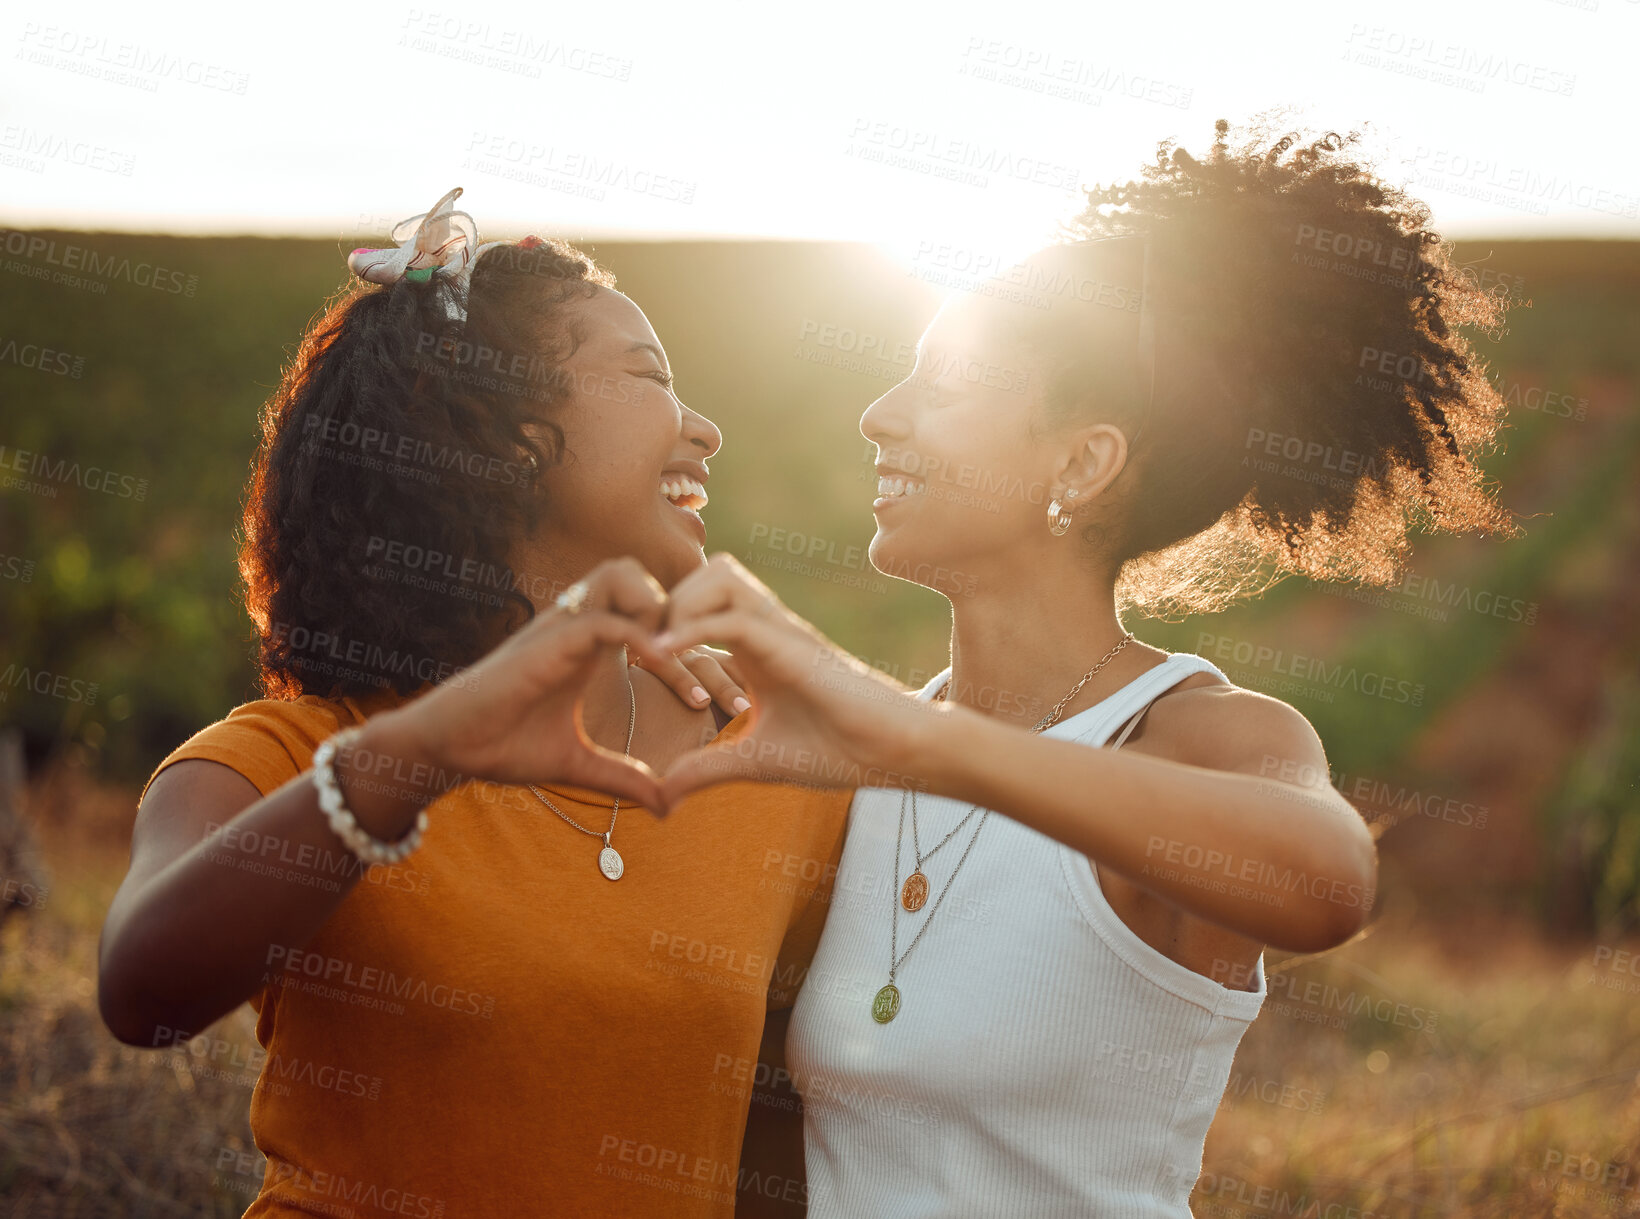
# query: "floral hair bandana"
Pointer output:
{"type": "Point", "coordinates": [442, 242]}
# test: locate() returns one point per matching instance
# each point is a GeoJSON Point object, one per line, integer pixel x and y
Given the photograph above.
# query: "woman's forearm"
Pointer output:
{"type": "Point", "coordinates": [187, 943]}
{"type": "Point", "coordinates": [1293, 867]}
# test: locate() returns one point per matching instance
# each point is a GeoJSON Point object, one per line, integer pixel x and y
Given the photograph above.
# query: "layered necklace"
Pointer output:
{"type": "Point", "coordinates": [610, 862]}
{"type": "Point", "coordinates": [912, 895]}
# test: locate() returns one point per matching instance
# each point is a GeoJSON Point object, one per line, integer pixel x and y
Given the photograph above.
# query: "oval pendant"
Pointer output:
{"type": "Point", "coordinates": [914, 892]}
{"type": "Point", "coordinates": [610, 863]}
{"type": "Point", "coordinates": [886, 1005]}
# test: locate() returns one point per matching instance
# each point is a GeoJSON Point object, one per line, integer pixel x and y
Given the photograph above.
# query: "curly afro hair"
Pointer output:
{"type": "Point", "coordinates": [1314, 401]}
{"type": "Point", "coordinates": [395, 475]}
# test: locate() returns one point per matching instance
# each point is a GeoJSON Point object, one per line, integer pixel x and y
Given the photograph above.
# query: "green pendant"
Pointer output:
{"type": "Point", "coordinates": [886, 1005]}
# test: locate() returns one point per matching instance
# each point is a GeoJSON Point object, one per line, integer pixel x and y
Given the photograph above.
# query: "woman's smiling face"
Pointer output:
{"type": "Point", "coordinates": [633, 473]}
{"type": "Point", "coordinates": [961, 476]}
{"type": "Point", "coordinates": [1013, 402]}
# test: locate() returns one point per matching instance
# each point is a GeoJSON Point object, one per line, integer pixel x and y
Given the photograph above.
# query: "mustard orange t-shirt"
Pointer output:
{"type": "Point", "coordinates": [492, 1028]}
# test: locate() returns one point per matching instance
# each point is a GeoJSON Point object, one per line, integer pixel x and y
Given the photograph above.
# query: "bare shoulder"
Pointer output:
{"type": "Point", "coordinates": [1209, 722]}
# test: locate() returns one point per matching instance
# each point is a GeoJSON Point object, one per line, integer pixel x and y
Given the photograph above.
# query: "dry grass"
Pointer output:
{"type": "Point", "coordinates": [89, 1127]}
{"type": "Point", "coordinates": [1524, 1082]}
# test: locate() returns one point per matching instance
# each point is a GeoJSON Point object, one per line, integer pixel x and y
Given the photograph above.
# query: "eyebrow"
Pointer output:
{"type": "Point", "coordinates": [660, 356]}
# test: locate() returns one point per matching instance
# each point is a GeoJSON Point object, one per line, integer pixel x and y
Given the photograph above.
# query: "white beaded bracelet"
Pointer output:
{"type": "Point", "coordinates": [342, 822]}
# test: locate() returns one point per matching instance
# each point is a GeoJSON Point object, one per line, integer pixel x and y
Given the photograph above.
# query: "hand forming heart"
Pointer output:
{"type": "Point", "coordinates": [817, 715]}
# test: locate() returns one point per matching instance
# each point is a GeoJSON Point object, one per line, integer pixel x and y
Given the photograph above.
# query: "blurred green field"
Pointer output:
{"type": "Point", "coordinates": [1505, 797]}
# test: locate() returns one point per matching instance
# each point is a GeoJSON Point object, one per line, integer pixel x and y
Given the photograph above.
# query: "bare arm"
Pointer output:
{"type": "Point", "coordinates": [200, 915]}
{"type": "Point", "coordinates": [1216, 830]}
{"type": "Point", "coordinates": [1216, 835]}
{"type": "Point", "coordinates": [191, 932]}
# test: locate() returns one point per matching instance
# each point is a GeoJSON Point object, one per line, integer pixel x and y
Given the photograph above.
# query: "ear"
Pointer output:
{"type": "Point", "coordinates": [1092, 459]}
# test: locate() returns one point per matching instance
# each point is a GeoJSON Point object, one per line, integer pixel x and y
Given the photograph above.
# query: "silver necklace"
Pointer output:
{"type": "Point", "coordinates": [885, 1005]}
{"type": "Point", "coordinates": [610, 862]}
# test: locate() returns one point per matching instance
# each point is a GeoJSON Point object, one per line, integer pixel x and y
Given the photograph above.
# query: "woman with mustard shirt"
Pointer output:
{"type": "Point", "coordinates": [484, 987]}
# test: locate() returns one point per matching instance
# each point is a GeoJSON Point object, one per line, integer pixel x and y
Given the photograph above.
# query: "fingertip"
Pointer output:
{"type": "Point", "coordinates": [741, 704]}
{"type": "Point", "coordinates": [698, 694]}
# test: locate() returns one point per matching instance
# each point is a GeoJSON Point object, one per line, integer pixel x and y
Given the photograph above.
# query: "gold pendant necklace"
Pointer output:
{"type": "Point", "coordinates": [914, 893]}
{"type": "Point", "coordinates": [885, 1004]}
{"type": "Point", "coordinates": [610, 862]}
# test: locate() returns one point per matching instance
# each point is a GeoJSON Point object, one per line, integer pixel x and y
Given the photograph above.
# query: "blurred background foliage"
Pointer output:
{"type": "Point", "coordinates": [1532, 718]}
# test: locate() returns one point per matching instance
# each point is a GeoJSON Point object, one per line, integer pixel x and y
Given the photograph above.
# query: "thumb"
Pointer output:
{"type": "Point", "coordinates": [630, 779]}
{"type": "Point", "coordinates": [704, 767]}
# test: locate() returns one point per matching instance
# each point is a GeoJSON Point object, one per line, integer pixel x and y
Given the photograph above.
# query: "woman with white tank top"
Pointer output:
{"type": "Point", "coordinates": [1068, 852]}
{"type": "Point", "coordinates": [1049, 1048]}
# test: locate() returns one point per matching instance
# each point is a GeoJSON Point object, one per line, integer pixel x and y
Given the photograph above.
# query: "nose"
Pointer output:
{"type": "Point", "coordinates": [701, 432]}
{"type": "Point", "coordinates": [884, 422]}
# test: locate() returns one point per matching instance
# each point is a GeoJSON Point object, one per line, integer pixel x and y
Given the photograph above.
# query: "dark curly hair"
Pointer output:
{"type": "Point", "coordinates": [395, 475]}
{"type": "Point", "coordinates": [1314, 401]}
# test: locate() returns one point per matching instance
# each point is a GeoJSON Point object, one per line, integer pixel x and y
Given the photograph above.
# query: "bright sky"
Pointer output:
{"type": "Point", "coordinates": [871, 121]}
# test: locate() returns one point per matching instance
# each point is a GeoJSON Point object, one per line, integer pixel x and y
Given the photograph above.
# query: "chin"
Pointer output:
{"type": "Point", "coordinates": [905, 560]}
{"type": "Point", "coordinates": [674, 559]}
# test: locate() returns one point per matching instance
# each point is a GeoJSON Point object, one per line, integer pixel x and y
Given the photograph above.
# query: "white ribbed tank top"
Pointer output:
{"type": "Point", "coordinates": [1045, 1061]}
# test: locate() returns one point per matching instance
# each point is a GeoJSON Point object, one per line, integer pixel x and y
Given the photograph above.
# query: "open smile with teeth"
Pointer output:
{"type": "Point", "coordinates": [683, 492]}
{"type": "Point", "coordinates": [895, 486]}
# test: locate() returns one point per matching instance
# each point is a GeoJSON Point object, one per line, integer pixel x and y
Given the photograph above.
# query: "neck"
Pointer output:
{"type": "Point", "coordinates": [605, 709]}
{"type": "Point", "coordinates": [604, 705]}
{"type": "Point", "coordinates": [665, 726]}
{"type": "Point", "coordinates": [1020, 642]}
